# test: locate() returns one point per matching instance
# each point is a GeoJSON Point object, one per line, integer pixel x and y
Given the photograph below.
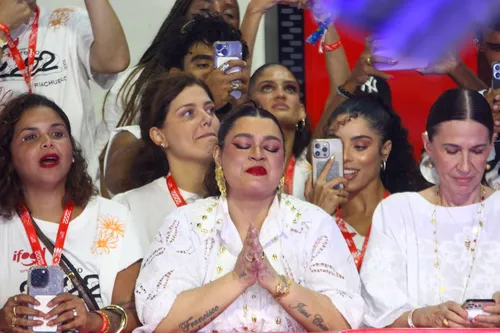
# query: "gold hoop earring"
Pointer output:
{"type": "Point", "coordinates": [281, 188]}
{"type": "Point", "coordinates": [221, 181]}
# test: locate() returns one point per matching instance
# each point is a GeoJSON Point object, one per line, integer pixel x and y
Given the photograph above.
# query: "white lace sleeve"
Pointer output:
{"type": "Point", "coordinates": [331, 270]}
{"type": "Point", "coordinates": [384, 273]}
{"type": "Point", "coordinates": [172, 265]}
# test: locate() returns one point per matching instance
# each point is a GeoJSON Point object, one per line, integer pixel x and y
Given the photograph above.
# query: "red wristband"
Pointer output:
{"type": "Point", "coordinates": [331, 47]}
{"type": "Point", "coordinates": [105, 322]}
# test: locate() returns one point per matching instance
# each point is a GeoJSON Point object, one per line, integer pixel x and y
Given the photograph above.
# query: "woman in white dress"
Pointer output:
{"type": "Point", "coordinates": [45, 186]}
{"type": "Point", "coordinates": [377, 160]}
{"type": "Point", "coordinates": [252, 259]}
{"type": "Point", "coordinates": [431, 251]}
{"type": "Point", "coordinates": [179, 130]}
{"type": "Point", "coordinates": [276, 89]}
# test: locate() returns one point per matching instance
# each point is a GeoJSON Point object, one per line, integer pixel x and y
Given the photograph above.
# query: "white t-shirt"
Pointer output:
{"type": "Point", "coordinates": [398, 272]}
{"type": "Point", "coordinates": [301, 172]}
{"type": "Point", "coordinates": [199, 243]}
{"type": "Point", "coordinates": [61, 72]}
{"type": "Point", "coordinates": [150, 205]}
{"type": "Point", "coordinates": [113, 109]}
{"type": "Point", "coordinates": [101, 242]}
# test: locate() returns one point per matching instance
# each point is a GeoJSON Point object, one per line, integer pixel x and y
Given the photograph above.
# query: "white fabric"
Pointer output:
{"type": "Point", "coordinates": [114, 108]}
{"type": "Point", "coordinates": [301, 237]}
{"type": "Point", "coordinates": [62, 72]}
{"type": "Point", "coordinates": [100, 242]}
{"type": "Point", "coordinates": [398, 272]}
{"type": "Point", "coordinates": [301, 172]}
{"type": "Point", "coordinates": [150, 205]}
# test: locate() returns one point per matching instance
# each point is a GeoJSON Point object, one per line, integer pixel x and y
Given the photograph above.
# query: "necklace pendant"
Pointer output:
{"type": "Point", "coordinates": [467, 244]}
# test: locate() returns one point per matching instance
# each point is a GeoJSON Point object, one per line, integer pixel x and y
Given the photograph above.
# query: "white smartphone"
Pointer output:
{"type": "Point", "coordinates": [475, 307]}
{"type": "Point", "coordinates": [323, 150]}
{"type": "Point", "coordinates": [45, 283]}
{"type": "Point", "coordinates": [226, 51]}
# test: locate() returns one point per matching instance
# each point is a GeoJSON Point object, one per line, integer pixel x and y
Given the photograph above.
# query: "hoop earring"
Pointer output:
{"type": "Point", "coordinates": [384, 165]}
{"type": "Point", "coordinates": [281, 188]}
{"type": "Point", "coordinates": [300, 125]}
{"type": "Point", "coordinates": [221, 181]}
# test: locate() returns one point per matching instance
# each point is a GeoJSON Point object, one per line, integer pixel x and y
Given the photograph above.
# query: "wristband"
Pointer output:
{"type": "Point", "coordinates": [410, 319]}
{"type": "Point", "coordinates": [344, 93]}
{"type": "Point", "coordinates": [105, 322]}
{"type": "Point", "coordinates": [123, 314]}
{"type": "Point", "coordinates": [330, 47]}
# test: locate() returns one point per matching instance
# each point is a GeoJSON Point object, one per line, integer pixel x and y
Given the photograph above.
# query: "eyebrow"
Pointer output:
{"type": "Point", "coordinates": [359, 137]}
{"type": "Point", "coordinates": [36, 128]}
{"type": "Point", "coordinates": [194, 105]}
{"type": "Point", "coordinates": [201, 57]}
{"type": "Point", "coordinates": [481, 145]}
{"type": "Point", "coordinates": [251, 136]}
{"type": "Point", "coordinates": [493, 45]}
{"type": "Point", "coordinates": [274, 82]}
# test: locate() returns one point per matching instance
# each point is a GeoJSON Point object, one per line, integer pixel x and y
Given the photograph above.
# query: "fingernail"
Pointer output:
{"type": "Point", "coordinates": [497, 123]}
{"type": "Point", "coordinates": [392, 77]}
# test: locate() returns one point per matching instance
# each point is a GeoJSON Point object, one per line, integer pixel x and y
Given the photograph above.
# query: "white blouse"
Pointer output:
{"type": "Point", "coordinates": [399, 272]}
{"type": "Point", "coordinates": [199, 243]}
{"type": "Point", "coordinates": [301, 173]}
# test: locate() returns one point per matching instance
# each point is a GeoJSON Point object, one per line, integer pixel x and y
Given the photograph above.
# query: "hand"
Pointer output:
{"type": "Point", "coordinates": [65, 307]}
{"type": "Point", "coordinates": [245, 269]}
{"type": "Point", "coordinates": [323, 194]}
{"type": "Point", "coordinates": [13, 13]}
{"type": "Point", "coordinates": [243, 88]}
{"type": "Point", "coordinates": [493, 97]}
{"type": "Point", "coordinates": [363, 69]}
{"type": "Point", "coordinates": [449, 314]}
{"type": "Point", "coordinates": [220, 83]}
{"type": "Point", "coordinates": [267, 276]}
{"type": "Point", "coordinates": [19, 305]}
{"type": "Point", "coordinates": [262, 6]}
{"type": "Point", "coordinates": [443, 67]}
{"type": "Point", "coordinates": [493, 320]}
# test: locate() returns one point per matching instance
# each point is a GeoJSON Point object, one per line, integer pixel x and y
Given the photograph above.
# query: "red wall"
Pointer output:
{"type": "Point", "coordinates": [413, 93]}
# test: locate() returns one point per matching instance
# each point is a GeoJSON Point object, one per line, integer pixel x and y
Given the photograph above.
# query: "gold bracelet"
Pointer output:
{"type": "Point", "coordinates": [124, 318]}
{"type": "Point", "coordinates": [283, 287]}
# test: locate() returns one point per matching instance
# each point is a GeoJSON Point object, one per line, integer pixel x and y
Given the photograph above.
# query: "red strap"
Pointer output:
{"type": "Point", "coordinates": [349, 238]}
{"type": "Point", "coordinates": [290, 171]}
{"type": "Point", "coordinates": [174, 192]}
{"type": "Point", "coordinates": [16, 55]}
{"type": "Point", "coordinates": [330, 47]}
{"type": "Point", "coordinates": [35, 242]}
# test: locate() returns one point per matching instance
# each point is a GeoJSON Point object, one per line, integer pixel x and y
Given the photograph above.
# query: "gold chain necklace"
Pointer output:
{"type": "Point", "coordinates": [468, 247]}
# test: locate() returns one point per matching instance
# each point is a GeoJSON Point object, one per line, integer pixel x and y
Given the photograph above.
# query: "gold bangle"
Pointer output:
{"type": "Point", "coordinates": [282, 287]}
{"type": "Point", "coordinates": [123, 315]}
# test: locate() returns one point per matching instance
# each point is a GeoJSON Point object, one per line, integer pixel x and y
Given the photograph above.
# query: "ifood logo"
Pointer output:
{"type": "Point", "coordinates": [26, 258]}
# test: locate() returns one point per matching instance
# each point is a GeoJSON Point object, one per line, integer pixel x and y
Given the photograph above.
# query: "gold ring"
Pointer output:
{"type": "Point", "coordinates": [235, 86]}
{"type": "Point", "coordinates": [15, 299]}
{"type": "Point", "coordinates": [14, 310]}
{"type": "Point", "coordinates": [369, 61]}
{"type": "Point", "coordinates": [445, 322]}
{"type": "Point", "coordinates": [75, 313]}
{"type": "Point", "coordinates": [14, 319]}
{"type": "Point", "coordinates": [249, 259]}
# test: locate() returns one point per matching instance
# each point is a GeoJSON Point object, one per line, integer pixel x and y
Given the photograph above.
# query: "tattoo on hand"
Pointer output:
{"type": "Point", "coordinates": [318, 322]}
{"type": "Point", "coordinates": [198, 324]}
{"type": "Point", "coordinates": [242, 275]}
{"type": "Point", "coordinates": [301, 309]}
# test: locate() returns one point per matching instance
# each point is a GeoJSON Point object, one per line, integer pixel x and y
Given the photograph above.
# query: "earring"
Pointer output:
{"type": "Point", "coordinates": [281, 188]}
{"type": "Point", "coordinates": [300, 125]}
{"type": "Point", "coordinates": [430, 165]}
{"type": "Point", "coordinates": [73, 160]}
{"type": "Point", "coordinates": [384, 165]}
{"type": "Point", "coordinates": [488, 167]}
{"type": "Point", "coordinates": [162, 145]}
{"type": "Point", "coordinates": [221, 181]}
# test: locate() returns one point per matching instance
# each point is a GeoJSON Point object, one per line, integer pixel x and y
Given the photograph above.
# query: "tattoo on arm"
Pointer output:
{"type": "Point", "coordinates": [318, 320]}
{"type": "Point", "coordinates": [194, 325]}
{"type": "Point", "coordinates": [128, 305]}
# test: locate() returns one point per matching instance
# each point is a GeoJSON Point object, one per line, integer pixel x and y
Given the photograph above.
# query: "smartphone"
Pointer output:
{"type": "Point", "coordinates": [45, 283]}
{"type": "Point", "coordinates": [323, 150]}
{"type": "Point", "coordinates": [382, 48]}
{"type": "Point", "coordinates": [495, 76]}
{"type": "Point", "coordinates": [225, 51]}
{"type": "Point", "coordinates": [475, 307]}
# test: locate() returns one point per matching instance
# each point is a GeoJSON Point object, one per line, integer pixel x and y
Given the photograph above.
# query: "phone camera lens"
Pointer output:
{"type": "Point", "coordinates": [224, 52]}
{"type": "Point", "coordinates": [316, 145]}
{"type": "Point", "coordinates": [497, 67]}
{"type": "Point", "coordinates": [317, 153]}
{"type": "Point", "coordinates": [218, 47]}
{"type": "Point", "coordinates": [324, 149]}
{"type": "Point", "coordinates": [39, 278]}
{"type": "Point", "coordinates": [497, 75]}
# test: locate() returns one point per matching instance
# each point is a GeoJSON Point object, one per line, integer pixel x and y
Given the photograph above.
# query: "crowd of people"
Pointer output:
{"type": "Point", "coordinates": [189, 209]}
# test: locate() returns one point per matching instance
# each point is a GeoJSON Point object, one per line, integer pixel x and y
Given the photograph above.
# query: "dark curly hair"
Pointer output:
{"type": "Point", "coordinates": [79, 186]}
{"type": "Point", "coordinates": [207, 28]}
{"type": "Point", "coordinates": [302, 135]}
{"type": "Point", "coordinates": [248, 109]}
{"type": "Point", "coordinates": [402, 173]}
{"type": "Point", "coordinates": [151, 162]}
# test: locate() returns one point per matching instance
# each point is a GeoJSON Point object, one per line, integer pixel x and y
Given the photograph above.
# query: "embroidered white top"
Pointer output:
{"type": "Point", "coordinates": [398, 272]}
{"type": "Point", "coordinates": [199, 243]}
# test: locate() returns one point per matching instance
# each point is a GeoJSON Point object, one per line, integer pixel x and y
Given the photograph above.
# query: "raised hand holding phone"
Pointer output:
{"type": "Point", "coordinates": [224, 52]}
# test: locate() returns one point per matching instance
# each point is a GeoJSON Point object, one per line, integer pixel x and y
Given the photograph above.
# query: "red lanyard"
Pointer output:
{"type": "Point", "coordinates": [35, 242]}
{"type": "Point", "coordinates": [290, 170]}
{"type": "Point", "coordinates": [174, 192]}
{"type": "Point", "coordinates": [349, 238]}
{"type": "Point", "coordinates": [16, 55]}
